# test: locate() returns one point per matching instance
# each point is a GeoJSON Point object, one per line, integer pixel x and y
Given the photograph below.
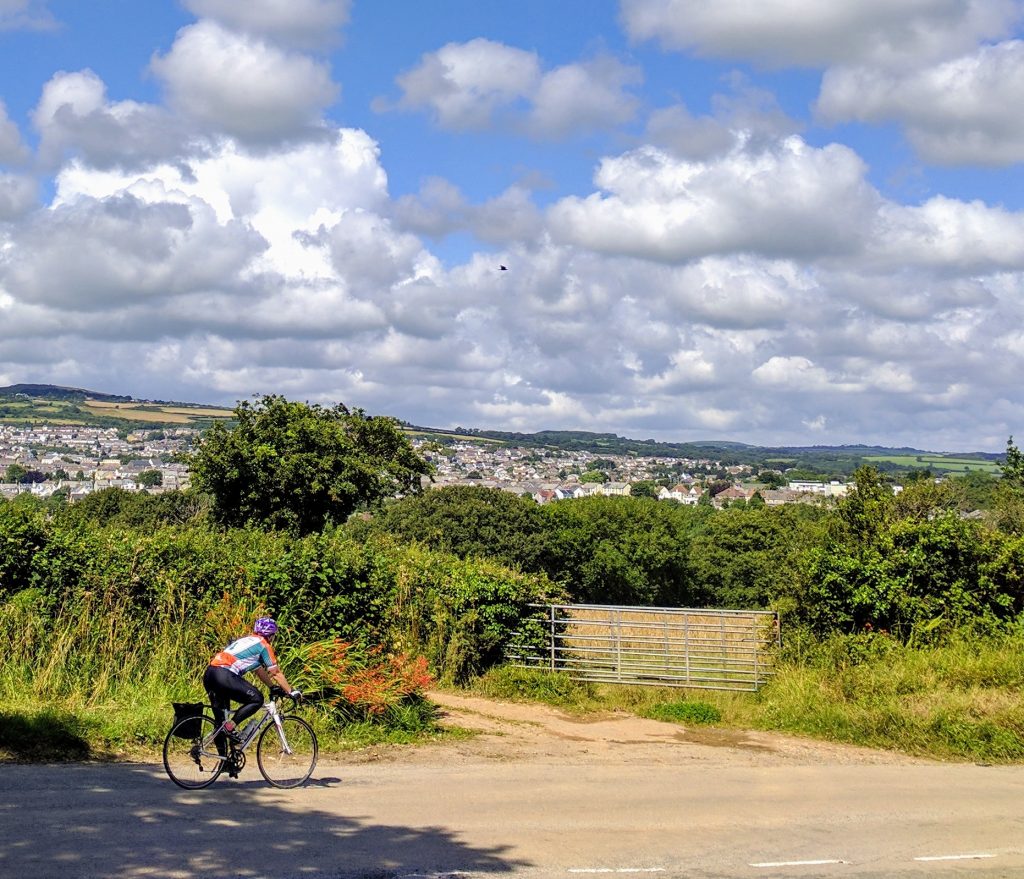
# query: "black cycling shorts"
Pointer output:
{"type": "Point", "coordinates": [224, 687]}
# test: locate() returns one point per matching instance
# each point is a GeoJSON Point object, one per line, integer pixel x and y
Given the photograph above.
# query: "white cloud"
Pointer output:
{"type": "Point", "coordinates": [954, 113]}
{"type": "Point", "coordinates": [12, 148]}
{"type": "Point", "coordinates": [551, 408]}
{"type": "Point", "coordinates": [93, 254]}
{"type": "Point", "coordinates": [585, 96]}
{"type": "Point", "coordinates": [243, 86]}
{"type": "Point", "coordinates": [810, 32]}
{"type": "Point", "coordinates": [791, 374]}
{"type": "Point", "coordinates": [465, 83]}
{"type": "Point", "coordinates": [687, 136]}
{"type": "Point", "coordinates": [17, 195]}
{"type": "Point", "coordinates": [286, 196]}
{"type": "Point", "coordinates": [944, 233]}
{"type": "Point", "coordinates": [440, 209]}
{"type": "Point", "coordinates": [74, 117]}
{"type": "Point", "coordinates": [299, 23]}
{"type": "Point", "coordinates": [688, 370]}
{"type": "Point", "coordinates": [792, 200]}
{"type": "Point", "coordinates": [745, 116]}
{"type": "Point", "coordinates": [743, 285]}
{"type": "Point", "coordinates": [25, 15]}
{"type": "Point", "coordinates": [482, 83]}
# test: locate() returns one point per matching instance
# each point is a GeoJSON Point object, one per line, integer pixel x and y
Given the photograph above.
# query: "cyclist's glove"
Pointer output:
{"type": "Point", "coordinates": [296, 694]}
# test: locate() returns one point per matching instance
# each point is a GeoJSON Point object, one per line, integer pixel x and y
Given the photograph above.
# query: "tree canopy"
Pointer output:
{"type": "Point", "coordinates": [298, 466]}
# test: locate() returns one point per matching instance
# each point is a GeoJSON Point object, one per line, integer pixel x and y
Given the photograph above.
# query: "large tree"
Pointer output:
{"type": "Point", "coordinates": [297, 466]}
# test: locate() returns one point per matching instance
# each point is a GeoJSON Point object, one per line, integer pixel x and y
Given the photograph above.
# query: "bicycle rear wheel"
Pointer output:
{"type": "Point", "coordinates": [191, 757]}
{"type": "Point", "coordinates": [291, 766]}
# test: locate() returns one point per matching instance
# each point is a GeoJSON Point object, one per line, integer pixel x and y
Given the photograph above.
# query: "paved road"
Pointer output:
{"type": "Point", "coordinates": [535, 819]}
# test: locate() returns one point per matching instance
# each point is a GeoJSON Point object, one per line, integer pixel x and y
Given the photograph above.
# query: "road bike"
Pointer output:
{"type": "Point", "coordinates": [197, 749]}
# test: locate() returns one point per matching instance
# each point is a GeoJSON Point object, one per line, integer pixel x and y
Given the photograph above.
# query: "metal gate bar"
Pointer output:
{"type": "Point", "coordinates": [657, 646]}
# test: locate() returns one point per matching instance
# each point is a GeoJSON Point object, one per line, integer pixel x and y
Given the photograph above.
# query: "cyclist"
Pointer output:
{"type": "Point", "coordinates": [225, 681]}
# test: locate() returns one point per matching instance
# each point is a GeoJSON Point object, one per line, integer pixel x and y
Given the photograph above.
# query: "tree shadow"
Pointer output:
{"type": "Point", "coordinates": [51, 736]}
{"type": "Point", "coordinates": [129, 820]}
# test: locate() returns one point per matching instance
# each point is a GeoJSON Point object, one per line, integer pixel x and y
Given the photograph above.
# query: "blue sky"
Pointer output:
{"type": "Point", "coordinates": [786, 222]}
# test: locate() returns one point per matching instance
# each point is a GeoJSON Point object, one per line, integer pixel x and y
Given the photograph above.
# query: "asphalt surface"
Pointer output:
{"type": "Point", "coordinates": [438, 816]}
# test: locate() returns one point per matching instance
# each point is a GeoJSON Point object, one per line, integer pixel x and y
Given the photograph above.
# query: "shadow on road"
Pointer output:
{"type": "Point", "coordinates": [45, 735]}
{"type": "Point", "coordinates": [84, 820]}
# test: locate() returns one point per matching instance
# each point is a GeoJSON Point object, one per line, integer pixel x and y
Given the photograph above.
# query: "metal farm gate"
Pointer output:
{"type": "Point", "coordinates": [659, 646]}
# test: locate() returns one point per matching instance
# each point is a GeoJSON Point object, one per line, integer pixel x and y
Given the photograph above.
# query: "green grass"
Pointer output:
{"type": "Point", "coordinates": [685, 711]}
{"type": "Point", "coordinates": [133, 727]}
{"type": "Point", "coordinates": [938, 462]}
{"type": "Point", "coordinates": [99, 685]}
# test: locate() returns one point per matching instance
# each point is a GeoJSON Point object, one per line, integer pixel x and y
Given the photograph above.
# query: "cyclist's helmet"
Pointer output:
{"type": "Point", "coordinates": [265, 626]}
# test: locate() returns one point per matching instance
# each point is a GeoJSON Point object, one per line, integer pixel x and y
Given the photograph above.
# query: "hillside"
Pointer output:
{"type": "Point", "coordinates": [27, 405]}
{"type": "Point", "coordinates": [830, 460]}
{"type": "Point", "coordinates": [36, 404]}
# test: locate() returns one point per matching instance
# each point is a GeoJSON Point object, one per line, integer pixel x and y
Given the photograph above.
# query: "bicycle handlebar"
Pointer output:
{"type": "Point", "coordinates": [277, 692]}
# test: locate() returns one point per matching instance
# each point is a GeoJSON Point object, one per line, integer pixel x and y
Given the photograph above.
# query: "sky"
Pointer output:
{"type": "Point", "coordinates": [793, 222]}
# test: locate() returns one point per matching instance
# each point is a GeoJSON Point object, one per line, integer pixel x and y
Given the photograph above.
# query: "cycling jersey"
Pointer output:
{"type": "Point", "coordinates": [243, 655]}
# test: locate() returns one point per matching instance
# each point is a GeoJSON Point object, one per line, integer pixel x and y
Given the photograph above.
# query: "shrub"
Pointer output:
{"type": "Point", "coordinates": [685, 712]}
{"type": "Point", "coordinates": [357, 682]}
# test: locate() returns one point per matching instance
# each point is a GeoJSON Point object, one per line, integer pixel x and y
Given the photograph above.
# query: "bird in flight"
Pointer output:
{"type": "Point", "coordinates": [503, 268]}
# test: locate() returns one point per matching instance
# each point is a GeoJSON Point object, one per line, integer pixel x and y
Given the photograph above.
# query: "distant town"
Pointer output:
{"type": "Point", "coordinates": [73, 461]}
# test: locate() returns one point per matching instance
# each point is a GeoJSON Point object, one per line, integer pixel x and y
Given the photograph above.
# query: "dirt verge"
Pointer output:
{"type": "Point", "coordinates": [520, 731]}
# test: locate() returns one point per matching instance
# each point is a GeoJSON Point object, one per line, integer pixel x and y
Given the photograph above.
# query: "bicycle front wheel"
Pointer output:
{"type": "Point", "coordinates": [287, 758]}
{"type": "Point", "coordinates": [192, 757]}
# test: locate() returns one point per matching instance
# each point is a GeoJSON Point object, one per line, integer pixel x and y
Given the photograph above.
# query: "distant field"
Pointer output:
{"type": "Point", "coordinates": [199, 412]}
{"type": "Point", "coordinates": [938, 462]}
{"type": "Point", "coordinates": [428, 434]}
{"type": "Point", "coordinates": [155, 413]}
{"type": "Point", "coordinates": [132, 412]}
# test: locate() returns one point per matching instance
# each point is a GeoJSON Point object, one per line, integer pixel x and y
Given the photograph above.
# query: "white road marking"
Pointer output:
{"type": "Point", "coordinates": [797, 863]}
{"type": "Point", "coordinates": [953, 857]}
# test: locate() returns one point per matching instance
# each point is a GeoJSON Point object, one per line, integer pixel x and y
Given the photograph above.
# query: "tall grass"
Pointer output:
{"type": "Point", "coordinates": [105, 627]}
{"type": "Point", "coordinates": [959, 699]}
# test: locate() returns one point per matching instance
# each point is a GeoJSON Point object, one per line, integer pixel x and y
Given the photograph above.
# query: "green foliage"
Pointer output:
{"type": "Point", "coordinates": [131, 509]}
{"type": "Point", "coordinates": [467, 520]}
{"type": "Point", "coordinates": [685, 712]}
{"type": "Point", "coordinates": [620, 550]}
{"type": "Point", "coordinates": [151, 478]}
{"type": "Point", "coordinates": [533, 685]}
{"type": "Point", "coordinates": [14, 473]}
{"type": "Point", "coordinates": [745, 556]}
{"type": "Point", "coordinates": [294, 466]}
{"type": "Point", "coordinates": [461, 614]}
{"type": "Point", "coordinates": [113, 622]}
{"type": "Point", "coordinates": [958, 699]}
{"type": "Point", "coordinates": [119, 600]}
{"type": "Point", "coordinates": [1009, 496]}
{"type": "Point", "coordinates": [909, 565]}
{"type": "Point", "coordinates": [978, 489]}
{"type": "Point", "coordinates": [1013, 465]}
{"type": "Point", "coordinates": [22, 536]}
{"type": "Point", "coordinates": [644, 488]}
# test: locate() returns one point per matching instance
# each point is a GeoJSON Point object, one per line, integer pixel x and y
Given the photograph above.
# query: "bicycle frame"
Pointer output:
{"type": "Point", "coordinates": [270, 714]}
